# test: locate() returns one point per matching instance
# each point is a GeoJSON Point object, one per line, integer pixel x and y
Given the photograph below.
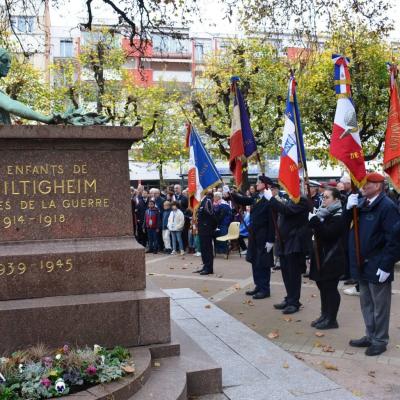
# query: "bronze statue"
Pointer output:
{"type": "Point", "coordinates": [9, 106]}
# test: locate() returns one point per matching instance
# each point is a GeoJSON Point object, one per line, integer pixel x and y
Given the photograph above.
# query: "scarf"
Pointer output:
{"type": "Point", "coordinates": [333, 209]}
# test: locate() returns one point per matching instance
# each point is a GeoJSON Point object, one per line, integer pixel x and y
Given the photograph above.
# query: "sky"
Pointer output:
{"type": "Point", "coordinates": [211, 12]}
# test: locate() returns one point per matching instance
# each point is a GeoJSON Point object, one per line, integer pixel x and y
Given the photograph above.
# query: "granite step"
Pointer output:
{"type": "Point", "coordinates": [192, 373]}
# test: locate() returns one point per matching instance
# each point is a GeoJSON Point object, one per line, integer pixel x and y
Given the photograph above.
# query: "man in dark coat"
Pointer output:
{"type": "Point", "coordinates": [206, 225]}
{"type": "Point", "coordinates": [377, 216]}
{"type": "Point", "coordinates": [141, 207]}
{"type": "Point", "coordinates": [261, 238]}
{"type": "Point", "coordinates": [294, 238]}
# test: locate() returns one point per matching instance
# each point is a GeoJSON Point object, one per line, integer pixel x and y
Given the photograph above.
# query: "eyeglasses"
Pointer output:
{"type": "Point", "coordinates": [326, 197]}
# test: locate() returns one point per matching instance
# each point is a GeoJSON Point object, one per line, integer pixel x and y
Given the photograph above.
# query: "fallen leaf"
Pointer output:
{"type": "Point", "coordinates": [208, 306]}
{"type": "Point", "coordinates": [319, 334]}
{"type": "Point", "coordinates": [371, 374]}
{"type": "Point", "coordinates": [285, 365]}
{"type": "Point", "coordinates": [288, 319]}
{"type": "Point", "coordinates": [237, 286]}
{"type": "Point", "coordinates": [357, 393]}
{"type": "Point", "coordinates": [129, 369]}
{"type": "Point", "coordinates": [328, 349]}
{"type": "Point", "coordinates": [299, 333]}
{"type": "Point", "coordinates": [328, 365]}
{"type": "Point", "coordinates": [156, 364]}
{"type": "Point", "coordinates": [205, 290]}
{"type": "Point", "coordinates": [298, 320]}
{"type": "Point", "coordinates": [253, 325]}
{"type": "Point", "coordinates": [273, 334]}
{"type": "Point", "coordinates": [299, 357]}
{"type": "Point", "coordinates": [317, 343]}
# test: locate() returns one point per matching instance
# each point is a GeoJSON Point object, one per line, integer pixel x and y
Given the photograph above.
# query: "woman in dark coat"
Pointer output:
{"type": "Point", "coordinates": [328, 227]}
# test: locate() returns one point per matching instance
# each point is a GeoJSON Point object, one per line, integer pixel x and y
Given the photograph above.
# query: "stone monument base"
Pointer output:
{"type": "Point", "coordinates": [130, 318]}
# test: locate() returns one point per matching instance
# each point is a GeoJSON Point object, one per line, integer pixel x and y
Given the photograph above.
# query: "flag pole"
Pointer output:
{"type": "Point", "coordinates": [304, 165]}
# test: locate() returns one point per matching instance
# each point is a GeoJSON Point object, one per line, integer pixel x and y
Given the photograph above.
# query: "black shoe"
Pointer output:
{"type": "Point", "coordinates": [290, 309]}
{"type": "Point", "coordinates": [205, 272]}
{"type": "Point", "coordinates": [375, 350]}
{"type": "Point", "coordinates": [318, 320]}
{"type": "Point", "coordinates": [252, 292]}
{"type": "Point", "coordinates": [198, 271]}
{"type": "Point", "coordinates": [363, 342]}
{"type": "Point", "coordinates": [327, 323]}
{"type": "Point", "coordinates": [281, 306]}
{"type": "Point", "coordinates": [350, 282]}
{"type": "Point", "coordinates": [261, 295]}
{"type": "Point", "coordinates": [276, 268]}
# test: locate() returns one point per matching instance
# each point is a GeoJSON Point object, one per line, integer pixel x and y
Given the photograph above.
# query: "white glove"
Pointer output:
{"type": "Point", "coordinates": [311, 215]}
{"type": "Point", "coordinates": [268, 194]}
{"type": "Point", "coordinates": [269, 246]}
{"type": "Point", "coordinates": [352, 201]}
{"type": "Point", "coordinates": [382, 275]}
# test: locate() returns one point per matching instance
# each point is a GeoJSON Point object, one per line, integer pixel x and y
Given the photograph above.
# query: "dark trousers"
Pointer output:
{"type": "Point", "coordinates": [242, 243]}
{"type": "Point", "coordinates": [141, 235]}
{"type": "Point", "coordinates": [330, 297]}
{"type": "Point", "coordinates": [152, 235]}
{"type": "Point", "coordinates": [207, 252]}
{"type": "Point", "coordinates": [261, 267]}
{"type": "Point", "coordinates": [292, 266]}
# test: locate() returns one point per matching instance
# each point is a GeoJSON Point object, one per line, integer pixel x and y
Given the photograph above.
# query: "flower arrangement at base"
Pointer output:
{"type": "Point", "coordinates": [38, 373]}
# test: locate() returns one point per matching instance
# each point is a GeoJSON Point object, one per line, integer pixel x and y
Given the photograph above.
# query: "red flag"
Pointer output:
{"type": "Point", "coordinates": [391, 157]}
{"type": "Point", "coordinates": [345, 140]}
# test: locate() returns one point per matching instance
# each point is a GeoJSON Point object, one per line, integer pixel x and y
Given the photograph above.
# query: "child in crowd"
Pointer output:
{"type": "Point", "coordinates": [152, 223]}
{"type": "Point", "coordinates": [166, 234]}
{"type": "Point", "coordinates": [176, 222]}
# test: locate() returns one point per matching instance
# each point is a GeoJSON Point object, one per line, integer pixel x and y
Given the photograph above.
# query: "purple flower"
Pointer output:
{"type": "Point", "coordinates": [91, 370]}
{"type": "Point", "coordinates": [46, 382]}
{"type": "Point", "coordinates": [48, 362]}
{"type": "Point", "coordinates": [65, 349]}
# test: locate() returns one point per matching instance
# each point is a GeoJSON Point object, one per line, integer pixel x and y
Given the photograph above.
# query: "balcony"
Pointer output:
{"type": "Point", "coordinates": [130, 51]}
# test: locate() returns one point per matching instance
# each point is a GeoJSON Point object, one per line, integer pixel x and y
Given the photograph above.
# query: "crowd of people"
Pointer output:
{"type": "Point", "coordinates": [320, 236]}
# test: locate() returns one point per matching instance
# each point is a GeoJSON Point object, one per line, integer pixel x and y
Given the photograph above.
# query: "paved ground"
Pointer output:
{"type": "Point", "coordinates": [366, 377]}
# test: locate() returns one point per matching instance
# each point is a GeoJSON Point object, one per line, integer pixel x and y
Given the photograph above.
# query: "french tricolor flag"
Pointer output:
{"type": "Point", "coordinates": [345, 144]}
{"type": "Point", "coordinates": [242, 143]}
{"type": "Point", "coordinates": [292, 151]}
{"type": "Point", "coordinates": [202, 173]}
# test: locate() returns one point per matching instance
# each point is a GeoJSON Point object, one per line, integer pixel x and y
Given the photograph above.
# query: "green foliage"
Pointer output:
{"type": "Point", "coordinates": [263, 84]}
{"type": "Point", "coordinates": [317, 101]}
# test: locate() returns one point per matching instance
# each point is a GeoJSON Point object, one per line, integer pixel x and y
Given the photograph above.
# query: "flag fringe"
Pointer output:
{"type": "Point", "coordinates": [356, 182]}
{"type": "Point", "coordinates": [294, 199]}
{"type": "Point", "coordinates": [391, 163]}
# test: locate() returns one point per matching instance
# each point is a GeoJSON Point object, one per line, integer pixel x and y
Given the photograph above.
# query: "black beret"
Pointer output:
{"type": "Point", "coordinates": [265, 180]}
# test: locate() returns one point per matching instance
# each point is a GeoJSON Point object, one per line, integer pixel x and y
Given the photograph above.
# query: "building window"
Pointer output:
{"type": "Point", "coordinates": [23, 24]}
{"type": "Point", "coordinates": [201, 48]}
{"type": "Point", "coordinates": [166, 44]}
{"type": "Point", "coordinates": [66, 48]}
